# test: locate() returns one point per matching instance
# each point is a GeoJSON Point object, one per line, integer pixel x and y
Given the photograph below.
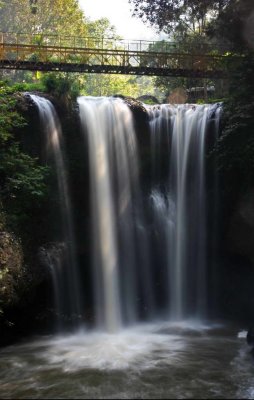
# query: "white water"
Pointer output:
{"type": "Point", "coordinates": [161, 360]}
{"type": "Point", "coordinates": [179, 204]}
{"type": "Point", "coordinates": [65, 277]}
{"type": "Point", "coordinates": [118, 231]}
{"type": "Point", "coordinates": [125, 282]}
{"type": "Point", "coordinates": [187, 164]}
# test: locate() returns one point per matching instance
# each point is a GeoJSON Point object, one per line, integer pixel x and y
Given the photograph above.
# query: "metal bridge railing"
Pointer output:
{"type": "Point", "coordinates": [106, 43]}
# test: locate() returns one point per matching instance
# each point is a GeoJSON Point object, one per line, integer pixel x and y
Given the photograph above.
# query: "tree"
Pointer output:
{"type": "Point", "coordinates": [101, 28]}
{"type": "Point", "coordinates": [235, 24]}
{"type": "Point", "coordinates": [33, 5]}
{"type": "Point", "coordinates": [235, 148]}
{"type": "Point", "coordinates": [178, 16]}
{"type": "Point", "coordinates": [62, 17]}
{"type": "Point", "coordinates": [166, 85]}
{"type": "Point", "coordinates": [108, 85]}
{"type": "Point", "coordinates": [22, 178]}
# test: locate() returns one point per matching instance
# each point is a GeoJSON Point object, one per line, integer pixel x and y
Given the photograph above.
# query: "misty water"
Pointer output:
{"type": "Point", "coordinates": [160, 360]}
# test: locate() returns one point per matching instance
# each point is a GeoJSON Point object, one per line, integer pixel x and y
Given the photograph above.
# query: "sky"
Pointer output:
{"type": "Point", "coordinates": [119, 14]}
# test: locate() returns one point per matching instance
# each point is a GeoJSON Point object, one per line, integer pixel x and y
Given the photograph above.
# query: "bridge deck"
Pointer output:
{"type": "Point", "coordinates": [53, 53]}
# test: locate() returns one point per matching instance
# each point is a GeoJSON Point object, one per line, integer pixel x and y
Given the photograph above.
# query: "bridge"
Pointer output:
{"type": "Point", "coordinates": [108, 56]}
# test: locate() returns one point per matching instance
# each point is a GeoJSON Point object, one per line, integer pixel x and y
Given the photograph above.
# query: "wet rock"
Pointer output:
{"type": "Point", "coordinates": [250, 339]}
{"type": "Point", "coordinates": [11, 268]}
{"type": "Point", "coordinates": [250, 336]}
{"type": "Point", "coordinates": [148, 99]}
{"type": "Point", "coordinates": [137, 107]}
{"type": "Point", "coordinates": [51, 256]}
{"type": "Point", "coordinates": [241, 230]}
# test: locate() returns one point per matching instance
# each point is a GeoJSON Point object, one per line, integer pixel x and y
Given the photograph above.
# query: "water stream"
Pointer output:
{"type": "Point", "coordinates": [65, 274]}
{"type": "Point", "coordinates": [120, 247]}
{"type": "Point", "coordinates": [178, 134]}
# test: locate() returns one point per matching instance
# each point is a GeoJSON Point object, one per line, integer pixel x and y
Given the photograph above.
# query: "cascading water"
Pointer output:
{"type": "Point", "coordinates": [179, 202]}
{"type": "Point", "coordinates": [65, 277]}
{"type": "Point", "coordinates": [120, 248]}
{"type": "Point", "coordinates": [129, 267]}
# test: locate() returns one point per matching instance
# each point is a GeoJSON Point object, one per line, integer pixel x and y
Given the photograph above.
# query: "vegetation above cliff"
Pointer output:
{"type": "Point", "coordinates": [22, 178]}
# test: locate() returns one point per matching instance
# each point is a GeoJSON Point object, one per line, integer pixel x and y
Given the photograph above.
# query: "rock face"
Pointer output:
{"type": "Point", "coordinates": [236, 260]}
{"type": "Point", "coordinates": [52, 253]}
{"type": "Point", "coordinates": [250, 339]}
{"type": "Point", "coordinates": [137, 107]}
{"type": "Point", "coordinates": [11, 274]}
{"type": "Point", "coordinates": [250, 336]}
{"type": "Point", "coordinates": [25, 291]}
{"type": "Point", "coordinates": [11, 261]}
{"type": "Point", "coordinates": [241, 229]}
{"type": "Point", "coordinates": [149, 99]}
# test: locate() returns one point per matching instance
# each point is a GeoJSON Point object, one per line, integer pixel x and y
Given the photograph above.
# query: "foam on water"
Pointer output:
{"type": "Point", "coordinates": [242, 334]}
{"type": "Point", "coordinates": [140, 347]}
{"type": "Point", "coordinates": [159, 360]}
{"type": "Point", "coordinates": [132, 348]}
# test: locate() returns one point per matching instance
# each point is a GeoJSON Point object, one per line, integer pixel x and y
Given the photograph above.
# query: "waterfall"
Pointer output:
{"type": "Point", "coordinates": [64, 272]}
{"type": "Point", "coordinates": [179, 202]}
{"type": "Point", "coordinates": [148, 247]}
{"type": "Point", "coordinates": [122, 281]}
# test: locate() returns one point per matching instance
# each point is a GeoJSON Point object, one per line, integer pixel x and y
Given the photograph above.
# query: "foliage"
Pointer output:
{"type": "Point", "coordinates": [146, 85]}
{"type": "Point", "coordinates": [22, 179]}
{"type": "Point", "coordinates": [235, 148]}
{"type": "Point", "coordinates": [51, 17]}
{"type": "Point", "coordinates": [61, 84]}
{"type": "Point", "coordinates": [179, 17]}
{"type": "Point", "coordinates": [108, 85]}
{"type": "Point", "coordinates": [9, 117]}
{"type": "Point", "coordinates": [189, 44]}
{"type": "Point", "coordinates": [148, 99]}
{"type": "Point", "coordinates": [235, 24]}
{"type": "Point", "coordinates": [28, 87]}
{"type": "Point", "coordinates": [101, 28]}
{"type": "Point", "coordinates": [23, 191]}
{"type": "Point", "coordinates": [111, 84]}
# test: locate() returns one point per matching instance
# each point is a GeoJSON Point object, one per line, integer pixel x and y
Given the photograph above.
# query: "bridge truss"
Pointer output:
{"type": "Point", "coordinates": [108, 56]}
